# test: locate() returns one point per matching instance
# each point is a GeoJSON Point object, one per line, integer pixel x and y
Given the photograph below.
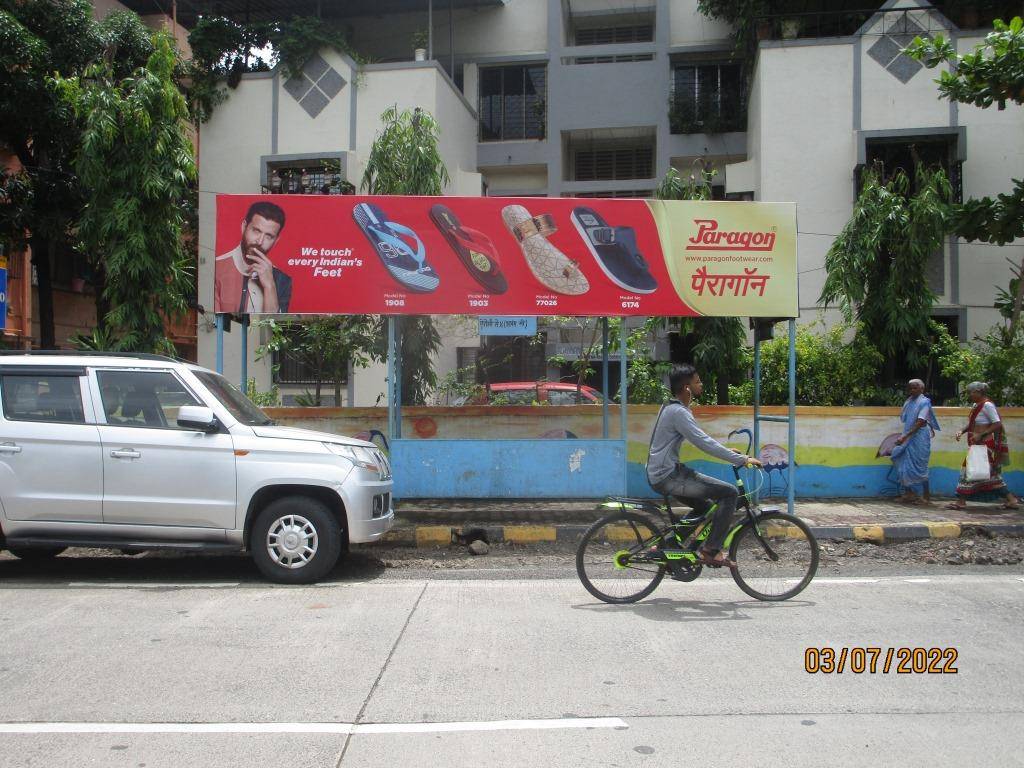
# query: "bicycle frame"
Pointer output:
{"type": "Point", "coordinates": [682, 528]}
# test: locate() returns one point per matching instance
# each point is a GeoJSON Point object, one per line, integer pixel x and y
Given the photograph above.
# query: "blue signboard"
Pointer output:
{"type": "Point", "coordinates": [508, 326]}
{"type": "Point", "coordinates": [3, 292]}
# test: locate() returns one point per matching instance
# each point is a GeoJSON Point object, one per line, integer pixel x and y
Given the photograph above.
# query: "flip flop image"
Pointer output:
{"type": "Point", "coordinates": [552, 268]}
{"type": "Point", "coordinates": [615, 251]}
{"type": "Point", "coordinates": [474, 249]}
{"type": "Point", "coordinates": [391, 242]}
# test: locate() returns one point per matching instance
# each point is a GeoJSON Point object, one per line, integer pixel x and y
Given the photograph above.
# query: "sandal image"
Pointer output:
{"type": "Point", "coordinates": [409, 267]}
{"type": "Point", "coordinates": [552, 268]}
{"type": "Point", "coordinates": [474, 249]}
{"type": "Point", "coordinates": [615, 251]}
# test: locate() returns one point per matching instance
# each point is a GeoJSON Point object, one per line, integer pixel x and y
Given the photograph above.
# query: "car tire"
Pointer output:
{"type": "Point", "coordinates": [295, 540]}
{"type": "Point", "coordinates": [35, 553]}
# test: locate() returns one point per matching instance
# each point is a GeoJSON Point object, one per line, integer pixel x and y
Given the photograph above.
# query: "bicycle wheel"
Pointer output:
{"type": "Point", "coordinates": [612, 558]}
{"type": "Point", "coordinates": [785, 568]}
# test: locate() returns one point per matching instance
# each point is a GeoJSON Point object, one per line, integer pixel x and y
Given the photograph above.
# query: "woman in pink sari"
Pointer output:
{"type": "Point", "coordinates": [985, 428]}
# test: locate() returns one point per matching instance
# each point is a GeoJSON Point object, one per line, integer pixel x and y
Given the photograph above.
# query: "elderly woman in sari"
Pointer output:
{"type": "Point", "coordinates": [914, 447]}
{"type": "Point", "coordinates": [985, 428]}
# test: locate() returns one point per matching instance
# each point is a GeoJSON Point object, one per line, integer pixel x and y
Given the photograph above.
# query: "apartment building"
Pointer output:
{"type": "Point", "coordinates": [599, 98]}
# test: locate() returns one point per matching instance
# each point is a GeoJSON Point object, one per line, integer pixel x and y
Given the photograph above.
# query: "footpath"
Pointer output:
{"type": "Point", "coordinates": [442, 523]}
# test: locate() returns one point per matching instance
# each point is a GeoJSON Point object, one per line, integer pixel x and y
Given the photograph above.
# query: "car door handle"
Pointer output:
{"type": "Point", "coordinates": [125, 453]}
{"type": "Point", "coordinates": [10, 448]}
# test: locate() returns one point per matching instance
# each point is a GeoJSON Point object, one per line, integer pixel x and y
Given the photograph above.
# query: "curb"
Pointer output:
{"type": "Point", "coordinates": [435, 536]}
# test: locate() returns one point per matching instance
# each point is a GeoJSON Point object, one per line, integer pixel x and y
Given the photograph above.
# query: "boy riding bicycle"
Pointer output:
{"type": "Point", "coordinates": [669, 477]}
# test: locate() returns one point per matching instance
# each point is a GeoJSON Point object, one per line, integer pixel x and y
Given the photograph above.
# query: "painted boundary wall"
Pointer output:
{"type": "Point", "coordinates": [524, 451]}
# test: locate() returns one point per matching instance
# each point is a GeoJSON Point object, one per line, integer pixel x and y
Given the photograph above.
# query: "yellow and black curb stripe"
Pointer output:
{"type": "Point", "coordinates": [433, 535]}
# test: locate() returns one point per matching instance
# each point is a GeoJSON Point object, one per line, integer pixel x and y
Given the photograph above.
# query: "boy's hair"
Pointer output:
{"type": "Point", "coordinates": [681, 376]}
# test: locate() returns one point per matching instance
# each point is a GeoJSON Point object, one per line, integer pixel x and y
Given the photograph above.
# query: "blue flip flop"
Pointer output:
{"type": "Point", "coordinates": [409, 267]}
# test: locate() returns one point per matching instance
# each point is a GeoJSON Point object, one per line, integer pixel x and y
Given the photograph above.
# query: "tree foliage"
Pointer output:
{"type": "Point", "coordinates": [405, 160]}
{"type": "Point", "coordinates": [324, 346]}
{"type": "Point", "coordinates": [993, 73]}
{"type": "Point", "coordinates": [135, 166]}
{"type": "Point", "coordinates": [829, 370]}
{"type": "Point", "coordinates": [877, 265]}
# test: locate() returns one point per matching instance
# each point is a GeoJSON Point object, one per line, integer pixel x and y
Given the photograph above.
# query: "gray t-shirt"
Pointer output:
{"type": "Point", "coordinates": [675, 425]}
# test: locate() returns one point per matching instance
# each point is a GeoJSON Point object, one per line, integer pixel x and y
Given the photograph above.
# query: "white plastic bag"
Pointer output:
{"type": "Point", "coordinates": [977, 463]}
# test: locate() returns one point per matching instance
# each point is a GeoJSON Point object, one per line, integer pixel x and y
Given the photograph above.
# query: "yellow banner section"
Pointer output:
{"type": "Point", "coordinates": [731, 259]}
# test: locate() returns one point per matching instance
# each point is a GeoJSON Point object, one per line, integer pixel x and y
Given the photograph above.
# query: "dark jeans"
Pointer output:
{"type": "Point", "coordinates": [700, 492]}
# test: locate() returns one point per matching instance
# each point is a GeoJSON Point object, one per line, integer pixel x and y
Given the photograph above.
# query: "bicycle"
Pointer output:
{"type": "Point", "coordinates": [628, 552]}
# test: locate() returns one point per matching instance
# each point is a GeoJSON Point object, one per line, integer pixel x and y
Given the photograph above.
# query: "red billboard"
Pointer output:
{"type": "Point", "coordinates": [311, 254]}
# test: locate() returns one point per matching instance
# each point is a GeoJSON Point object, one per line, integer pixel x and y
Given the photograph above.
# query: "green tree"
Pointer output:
{"type": "Point", "coordinates": [324, 346]}
{"type": "Point", "coordinates": [829, 370]}
{"type": "Point", "coordinates": [405, 160]}
{"type": "Point", "coordinates": [877, 265]}
{"type": "Point", "coordinates": [991, 74]}
{"type": "Point", "coordinates": [135, 167]}
{"type": "Point", "coordinates": [717, 342]}
{"type": "Point", "coordinates": [38, 38]}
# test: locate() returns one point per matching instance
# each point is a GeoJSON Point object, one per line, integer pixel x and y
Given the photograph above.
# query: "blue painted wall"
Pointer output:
{"type": "Point", "coordinates": [508, 468]}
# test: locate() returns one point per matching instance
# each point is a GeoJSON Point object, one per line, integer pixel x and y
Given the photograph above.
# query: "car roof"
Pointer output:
{"type": "Point", "coordinates": [63, 358]}
{"type": "Point", "coordinates": [532, 384]}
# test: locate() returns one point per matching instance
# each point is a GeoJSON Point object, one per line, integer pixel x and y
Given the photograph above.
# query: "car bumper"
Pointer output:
{"type": "Point", "coordinates": [371, 512]}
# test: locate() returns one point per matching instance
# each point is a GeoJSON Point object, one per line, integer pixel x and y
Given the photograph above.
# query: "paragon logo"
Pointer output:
{"type": "Point", "coordinates": [710, 238]}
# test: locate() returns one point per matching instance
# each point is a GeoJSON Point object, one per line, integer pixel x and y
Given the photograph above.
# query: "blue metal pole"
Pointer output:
{"type": "Point", "coordinates": [398, 377]}
{"type": "Point", "coordinates": [623, 400]}
{"type": "Point", "coordinates": [791, 470]}
{"type": "Point", "coordinates": [604, 377]}
{"type": "Point", "coordinates": [220, 344]}
{"type": "Point", "coordinates": [757, 392]}
{"type": "Point", "coordinates": [391, 378]}
{"type": "Point", "coordinates": [245, 353]}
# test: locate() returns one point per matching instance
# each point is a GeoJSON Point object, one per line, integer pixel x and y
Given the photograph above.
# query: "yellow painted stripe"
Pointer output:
{"type": "Point", "coordinates": [433, 535]}
{"type": "Point", "coordinates": [943, 530]}
{"type": "Point", "coordinates": [869, 533]}
{"type": "Point", "coordinates": [619, 533]}
{"type": "Point", "coordinates": [527, 534]}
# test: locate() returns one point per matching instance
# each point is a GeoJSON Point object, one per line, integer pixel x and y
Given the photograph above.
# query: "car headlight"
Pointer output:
{"type": "Point", "coordinates": [361, 457]}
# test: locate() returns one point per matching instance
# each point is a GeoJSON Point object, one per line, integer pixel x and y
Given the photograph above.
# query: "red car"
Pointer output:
{"type": "Point", "coordinates": [542, 392]}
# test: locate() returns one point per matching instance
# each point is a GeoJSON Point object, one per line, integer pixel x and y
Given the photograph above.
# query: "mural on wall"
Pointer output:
{"type": "Point", "coordinates": [837, 453]}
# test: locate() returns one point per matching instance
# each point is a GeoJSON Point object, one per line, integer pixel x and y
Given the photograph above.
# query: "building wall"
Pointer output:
{"type": "Point", "coordinates": [815, 103]}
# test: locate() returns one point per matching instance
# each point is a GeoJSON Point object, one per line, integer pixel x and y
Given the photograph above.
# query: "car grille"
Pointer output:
{"type": "Point", "coordinates": [381, 504]}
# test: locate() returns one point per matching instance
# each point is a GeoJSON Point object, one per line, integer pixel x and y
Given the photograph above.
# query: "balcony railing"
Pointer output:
{"type": "Point", "coordinates": [840, 21]}
{"type": "Point", "coordinates": [711, 112]}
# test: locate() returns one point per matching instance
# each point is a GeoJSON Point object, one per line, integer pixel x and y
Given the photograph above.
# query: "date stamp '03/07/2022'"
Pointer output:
{"type": "Point", "coordinates": [873, 660]}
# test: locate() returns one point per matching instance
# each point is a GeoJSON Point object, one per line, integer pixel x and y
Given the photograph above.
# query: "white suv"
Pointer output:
{"type": "Point", "coordinates": [140, 452]}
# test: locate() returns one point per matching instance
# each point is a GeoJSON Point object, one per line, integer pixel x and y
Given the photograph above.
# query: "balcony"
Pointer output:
{"type": "Point", "coordinates": [842, 19]}
{"type": "Point", "coordinates": [708, 112]}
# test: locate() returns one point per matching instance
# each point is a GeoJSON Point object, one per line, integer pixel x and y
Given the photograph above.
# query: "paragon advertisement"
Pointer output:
{"type": "Point", "coordinates": [311, 254]}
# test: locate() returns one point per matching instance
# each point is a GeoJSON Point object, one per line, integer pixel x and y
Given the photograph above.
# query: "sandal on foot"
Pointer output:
{"type": "Point", "coordinates": [718, 560]}
{"type": "Point", "coordinates": [956, 506]}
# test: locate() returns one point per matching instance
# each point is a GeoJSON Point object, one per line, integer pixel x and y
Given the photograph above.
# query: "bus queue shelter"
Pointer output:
{"type": "Point", "coordinates": [554, 257]}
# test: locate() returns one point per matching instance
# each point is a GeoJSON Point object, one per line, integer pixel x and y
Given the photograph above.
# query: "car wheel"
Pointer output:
{"type": "Point", "coordinates": [35, 553]}
{"type": "Point", "coordinates": [295, 540]}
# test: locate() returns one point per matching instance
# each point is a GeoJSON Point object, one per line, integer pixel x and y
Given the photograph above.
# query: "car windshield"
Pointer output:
{"type": "Point", "coordinates": [240, 406]}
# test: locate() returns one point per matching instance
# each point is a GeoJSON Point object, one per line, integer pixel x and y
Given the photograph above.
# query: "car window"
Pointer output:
{"type": "Point", "coordinates": [562, 397]}
{"type": "Point", "coordinates": [143, 398]}
{"type": "Point", "coordinates": [241, 407]}
{"type": "Point", "coordinates": [43, 397]}
{"type": "Point", "coordinates": [514, 396]}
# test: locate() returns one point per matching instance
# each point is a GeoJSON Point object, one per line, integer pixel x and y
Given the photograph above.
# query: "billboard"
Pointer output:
{"type": "Point", "coordinates": [331, 254]}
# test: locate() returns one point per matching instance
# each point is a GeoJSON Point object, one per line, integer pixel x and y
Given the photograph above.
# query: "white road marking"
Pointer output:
{"type": "Point", "coordinates": [343, 729]}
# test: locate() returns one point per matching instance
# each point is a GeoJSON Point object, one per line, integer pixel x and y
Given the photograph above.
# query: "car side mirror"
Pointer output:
{"type": "Point", "coordinates": [198, 417]}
